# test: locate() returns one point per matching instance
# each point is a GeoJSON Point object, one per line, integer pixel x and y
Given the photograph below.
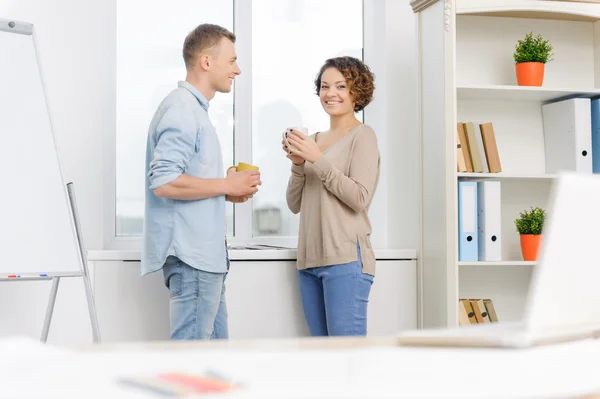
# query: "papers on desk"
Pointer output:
{"type": "Point", "coordinates": [566, 370]}
{"type": "Point", "coordinates": [261, 247]}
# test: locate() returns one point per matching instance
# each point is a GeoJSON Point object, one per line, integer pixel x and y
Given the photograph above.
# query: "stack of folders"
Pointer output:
{"type": "Point", "coordinates": [479, 221]}
{"type": "Point", "coordinates": [476, 311]}
{"type": "Point", "coordinates": [477, 152]}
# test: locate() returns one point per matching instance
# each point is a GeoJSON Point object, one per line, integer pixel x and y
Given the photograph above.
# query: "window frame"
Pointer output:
{"type": "Point", "coordinates": [374, 55]}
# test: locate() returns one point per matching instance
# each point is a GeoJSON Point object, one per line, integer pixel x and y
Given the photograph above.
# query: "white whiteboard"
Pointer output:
{"type": "Point", "coordinates": [37, 232]}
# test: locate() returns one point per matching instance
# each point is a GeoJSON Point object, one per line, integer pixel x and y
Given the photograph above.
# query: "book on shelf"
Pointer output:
{"type": "Point", "coordinates": [490, 147]}
{"type": "Point", "coordinates": [460, 156]}
{"type": "Point", "coordinates": [473, 147]}
{"type": "Point", "coordinates": [464, 146]}
{"type": "Point", "coordinates": [478, 151]}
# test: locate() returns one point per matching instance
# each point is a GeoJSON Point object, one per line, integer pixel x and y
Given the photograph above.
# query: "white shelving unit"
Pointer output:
{"type": "Point", "coordinates": [467, 74]}
{"type": "Point", "coordinates": [504, 176]}
{"type": "Point", "coordinates": [499, 263]}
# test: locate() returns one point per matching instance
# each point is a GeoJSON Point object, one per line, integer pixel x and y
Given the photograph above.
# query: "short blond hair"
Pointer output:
{"type": "Point", "coordinates": [202, 38]}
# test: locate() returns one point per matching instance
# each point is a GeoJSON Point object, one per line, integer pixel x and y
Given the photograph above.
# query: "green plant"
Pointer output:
{"type": "Point", "coordinates": [531, 222]}
{"type": "Point", "coordinates": [533, 49]}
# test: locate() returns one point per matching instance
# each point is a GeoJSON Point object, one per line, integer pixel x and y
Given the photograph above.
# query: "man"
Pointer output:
{"type": "Point", "coordinates": [184, 229]}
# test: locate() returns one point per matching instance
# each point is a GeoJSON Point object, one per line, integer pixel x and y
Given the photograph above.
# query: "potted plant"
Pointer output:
{"type": "Point", "coordinates": [529, 226]}
{"type": "Point", "coordinates": [531, 54]}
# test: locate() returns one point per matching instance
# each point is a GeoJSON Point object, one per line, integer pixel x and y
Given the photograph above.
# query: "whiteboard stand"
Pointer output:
{"type": "Point", "coordinates": [56, 279]}
{"type": "Point", "coordinates": [41, 236]}
{"type": "Point", "coordinates": [86, 279]}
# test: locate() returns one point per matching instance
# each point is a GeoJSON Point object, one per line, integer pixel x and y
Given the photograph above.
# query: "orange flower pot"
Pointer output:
{"type": "Point", "coordinates": [530, 243]}
{"type": "Point", "coordinates": [530, 73]}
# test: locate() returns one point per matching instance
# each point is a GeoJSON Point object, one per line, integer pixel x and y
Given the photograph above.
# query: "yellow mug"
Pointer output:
{"type": "Point", "coordinates": [240, 167]}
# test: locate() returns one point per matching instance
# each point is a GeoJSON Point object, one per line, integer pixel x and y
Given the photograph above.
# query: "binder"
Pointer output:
{"type": "Point", "coordinates": [463, 315]}
{"type": "Point", "coordinates": [465, 310]}
{"type": "Point", "coordinates": [467, 221]}
{"type": "Point", "coordinates": [595, 135]}
{"type": "Point", "coordinates": [489, 221]}
{"type": "Point", "coordinates": [567, 135]}
{"type": "Point", "coordinates": [480, 311]}
{"type": "Point", "coordinates": [489, 306]}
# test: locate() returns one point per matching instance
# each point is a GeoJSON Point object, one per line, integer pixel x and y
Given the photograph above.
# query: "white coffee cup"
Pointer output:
{"type": "Point", "coordinates": [289, 129]}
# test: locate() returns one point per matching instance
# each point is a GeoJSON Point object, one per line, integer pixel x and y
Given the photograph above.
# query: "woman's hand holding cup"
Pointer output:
{"type": "Point", "coordinates": [285, 145]}
{"type": "Point", "coordinates": [302, 146]}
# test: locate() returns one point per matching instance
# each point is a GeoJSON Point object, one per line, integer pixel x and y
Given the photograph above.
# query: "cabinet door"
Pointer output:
{"type": "Point", "coordinates": [130, 307]}
{"type": "Point", "coordinates": [393, 299]}
{"type": "Point", "coordinates": [263, 300]}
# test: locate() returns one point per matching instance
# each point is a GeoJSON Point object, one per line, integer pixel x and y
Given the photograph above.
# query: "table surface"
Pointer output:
{"type": "Point", "coordinates": [307, 368]}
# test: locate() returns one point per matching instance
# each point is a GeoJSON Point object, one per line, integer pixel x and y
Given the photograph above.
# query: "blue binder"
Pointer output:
{"type": "Point", "coordinates": [468, 248]}
{"type": "Point", "coordinates": [596, 135]}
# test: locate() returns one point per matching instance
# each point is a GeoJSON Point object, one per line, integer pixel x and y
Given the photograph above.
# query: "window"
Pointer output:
{"type": "Point", "coordinates": [290, 41]}
{"type": "Point", "coordinates": [281, 45]}
{"type": "Point", "coordinates": [149, 64]}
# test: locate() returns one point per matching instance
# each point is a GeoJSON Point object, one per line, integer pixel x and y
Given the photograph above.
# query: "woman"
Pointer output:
{"type": "Point", "coordinates": [334, 176]}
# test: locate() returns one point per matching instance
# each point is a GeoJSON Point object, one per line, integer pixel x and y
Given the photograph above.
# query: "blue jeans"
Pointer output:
{"type": "Point", "coordinates": [335, 298]}
{"type": "Point", "coordinates": [198, 308]}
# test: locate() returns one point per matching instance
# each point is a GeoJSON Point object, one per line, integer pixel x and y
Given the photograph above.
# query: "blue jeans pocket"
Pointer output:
{"type": "Point", "coordinates": [173, 278]}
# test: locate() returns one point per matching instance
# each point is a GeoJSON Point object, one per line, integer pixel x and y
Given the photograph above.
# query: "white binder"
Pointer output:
{"type": "Point", "coordinates": [568, 135]}
{"type": "Point", "coordinates": [489, 231]}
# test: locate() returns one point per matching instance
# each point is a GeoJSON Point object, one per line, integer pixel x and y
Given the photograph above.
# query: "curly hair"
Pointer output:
{"type": "Point", "coordinates": [359, 77]}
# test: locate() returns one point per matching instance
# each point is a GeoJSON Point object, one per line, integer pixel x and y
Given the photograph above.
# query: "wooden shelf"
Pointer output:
{"type": "Point", "coordinates": [499, 263]}
{"type": "Point", "coordinates": [521, 93]}
{"type": "Point", "coordinates": [503, 176]}
{"type": "Point", "coordinates": [549, 10]}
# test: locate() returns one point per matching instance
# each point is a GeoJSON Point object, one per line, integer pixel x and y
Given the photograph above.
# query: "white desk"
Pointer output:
{"type": "Point", "coordinates": [248, 254]}
{"type": "Point", "coordinates": [320, 368]}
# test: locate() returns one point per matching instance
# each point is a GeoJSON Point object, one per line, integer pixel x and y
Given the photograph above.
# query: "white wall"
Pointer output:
{"type": "Point", "coordinates": [402, 152]}
{"type": "Point", "coordinates": [77, 43]}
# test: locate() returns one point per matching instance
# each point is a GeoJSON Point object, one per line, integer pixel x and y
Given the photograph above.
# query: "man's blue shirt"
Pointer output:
{"type": "Point", "coordinates": [182, 139]}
